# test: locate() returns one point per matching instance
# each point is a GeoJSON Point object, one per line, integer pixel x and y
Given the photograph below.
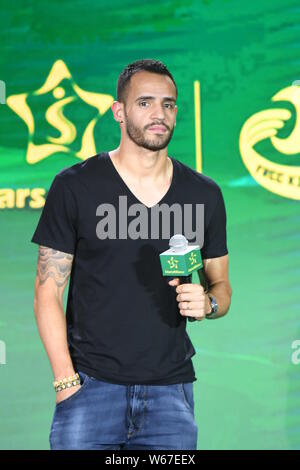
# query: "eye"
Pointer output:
{"type": "Point", "coordinates": [168, 105]}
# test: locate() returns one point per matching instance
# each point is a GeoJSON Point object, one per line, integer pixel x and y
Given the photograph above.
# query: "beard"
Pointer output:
{"type": "Point", "coordinates": [138, 136]}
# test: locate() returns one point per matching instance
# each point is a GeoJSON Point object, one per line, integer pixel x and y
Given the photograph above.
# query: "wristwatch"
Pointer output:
{"type": "Point", "coordinates": [214, 308]}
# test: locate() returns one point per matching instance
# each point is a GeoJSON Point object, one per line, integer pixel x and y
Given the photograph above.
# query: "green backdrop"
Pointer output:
{"type": "Point", "coordinates": [247, 395]}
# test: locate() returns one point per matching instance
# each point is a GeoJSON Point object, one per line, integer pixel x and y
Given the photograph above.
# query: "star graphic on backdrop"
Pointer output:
{"type": "Point", "coordinates": [55, 117]}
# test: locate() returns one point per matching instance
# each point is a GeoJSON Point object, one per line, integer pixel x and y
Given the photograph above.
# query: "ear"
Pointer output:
{"type": "Point", "coordinates": [117, 111]}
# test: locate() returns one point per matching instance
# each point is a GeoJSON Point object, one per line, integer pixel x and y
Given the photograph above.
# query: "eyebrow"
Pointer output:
{"type": "Point", "coordinates": [165, 98]}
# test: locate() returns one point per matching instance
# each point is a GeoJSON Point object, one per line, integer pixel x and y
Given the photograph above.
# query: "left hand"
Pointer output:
{"type": "Point", "coordinates": [192, 300]}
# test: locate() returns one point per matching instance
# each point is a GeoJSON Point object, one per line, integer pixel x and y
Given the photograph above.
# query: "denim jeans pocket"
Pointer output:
{"type": "Point", "coordinates": [187, 393]}
{"type": "Point", "coordinates": [84, 380]}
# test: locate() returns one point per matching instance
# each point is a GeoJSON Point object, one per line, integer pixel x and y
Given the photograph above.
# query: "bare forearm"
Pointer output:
{"type": "Point", "coordinates": [51, 323]}
{"type": "Point", "coordinates": [53, 270]}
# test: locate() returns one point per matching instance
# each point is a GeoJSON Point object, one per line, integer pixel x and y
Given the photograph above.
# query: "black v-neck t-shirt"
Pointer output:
{"type": "Point", "coordinates": [123, 321]}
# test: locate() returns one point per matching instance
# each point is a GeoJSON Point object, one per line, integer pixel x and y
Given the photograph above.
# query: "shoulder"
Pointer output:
{"type": "Point", "coordinates": [202, 182]}
{"type": "Point", "coordinates": [80, 172]}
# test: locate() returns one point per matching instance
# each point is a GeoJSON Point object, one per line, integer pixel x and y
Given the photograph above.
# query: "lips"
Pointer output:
{"type": "Point", "coordinates": [158, 128]}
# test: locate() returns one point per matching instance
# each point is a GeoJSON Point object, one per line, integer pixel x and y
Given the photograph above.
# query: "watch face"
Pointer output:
{"type": "Point", "coordinates": [214, 308]}
{"type": "Point", "coordinates": [214, 304]}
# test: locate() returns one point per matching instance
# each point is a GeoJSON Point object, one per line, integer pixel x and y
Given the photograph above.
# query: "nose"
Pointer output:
{"type": "Point", "coordinates": [158, 111]}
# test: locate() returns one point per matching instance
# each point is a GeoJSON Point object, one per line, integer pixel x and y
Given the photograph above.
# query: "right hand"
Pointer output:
{"type": "Point", "coordinates": [67, 392]}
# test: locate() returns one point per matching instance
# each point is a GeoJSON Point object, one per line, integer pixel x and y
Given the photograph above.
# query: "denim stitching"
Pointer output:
{"type": "Point", "coordinates": [182, 391]}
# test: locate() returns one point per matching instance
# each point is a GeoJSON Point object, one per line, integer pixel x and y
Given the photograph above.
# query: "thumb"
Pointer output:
{"type": "Point", "coordinates": [174, 282]}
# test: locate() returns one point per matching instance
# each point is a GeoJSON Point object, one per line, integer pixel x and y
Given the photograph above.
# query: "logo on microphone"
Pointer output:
{"type": "Point", "coordinates": [173, 263]}
{"type": "Point", "coordinates": [193, 258]}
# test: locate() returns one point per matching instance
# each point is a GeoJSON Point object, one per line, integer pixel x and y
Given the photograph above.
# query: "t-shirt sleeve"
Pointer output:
{"type": "Point", "coordinates": [57, 225]}
{"type": "Point", "coordinates": [215, 237]}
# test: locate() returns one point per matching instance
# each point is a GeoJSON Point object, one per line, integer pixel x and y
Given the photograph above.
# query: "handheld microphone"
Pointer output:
{"type": "Point", "coordinates": [180, 260]}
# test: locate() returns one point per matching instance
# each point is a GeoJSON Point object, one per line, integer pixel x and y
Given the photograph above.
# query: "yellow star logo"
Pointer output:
{"type": "Point", "coordinates": [192, 258]}
{"type": "Point", "coordinates": [55, 117]}
{"type": "Point", "coordinates": [173, 262]}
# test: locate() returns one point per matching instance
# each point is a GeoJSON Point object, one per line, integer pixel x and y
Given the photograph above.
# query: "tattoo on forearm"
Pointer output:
{"type": "Point", "coordinates": [54, 264]}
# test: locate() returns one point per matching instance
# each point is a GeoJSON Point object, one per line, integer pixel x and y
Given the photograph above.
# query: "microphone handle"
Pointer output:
{"type": "Point", "coordinates": [187, 280]}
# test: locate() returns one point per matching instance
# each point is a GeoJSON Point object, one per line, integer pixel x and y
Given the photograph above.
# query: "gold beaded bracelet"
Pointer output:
{"type": "Point", "coordinates": [66, 382]}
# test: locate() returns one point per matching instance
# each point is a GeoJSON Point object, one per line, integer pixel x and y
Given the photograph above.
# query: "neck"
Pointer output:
{"type": "Point", "coordinates": [154, 168]}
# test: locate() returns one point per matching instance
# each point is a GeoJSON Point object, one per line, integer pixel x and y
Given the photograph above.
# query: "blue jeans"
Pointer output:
{"type": "Point", "coordinates": [102, 415]}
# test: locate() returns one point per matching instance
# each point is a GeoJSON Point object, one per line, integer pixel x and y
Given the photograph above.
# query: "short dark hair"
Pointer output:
{"type": "Point", "coordinates": [149, 65]}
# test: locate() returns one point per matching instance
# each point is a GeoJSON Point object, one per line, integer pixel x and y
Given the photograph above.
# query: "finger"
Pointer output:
{"type": "Point", "coordinates": [190, 297]}
{"type": "Point", "coordinates": [174, 282]}
{"type": "Point", "coordinates": [190, 306]}
{"type": "Point", "coordinates": [189, 288]}
{"type": "Point", "coordinates": [192, 313]}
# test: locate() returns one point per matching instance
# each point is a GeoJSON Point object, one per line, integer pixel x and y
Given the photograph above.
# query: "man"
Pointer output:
{"type": "Point", "coordinates": [125, 326]}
